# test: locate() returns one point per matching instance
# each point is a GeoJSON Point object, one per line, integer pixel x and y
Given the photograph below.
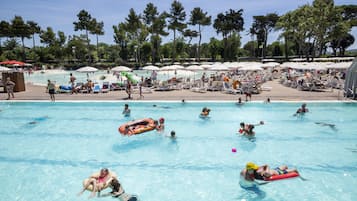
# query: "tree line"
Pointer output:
{"type": "Point", "coordinates": [307, 31]}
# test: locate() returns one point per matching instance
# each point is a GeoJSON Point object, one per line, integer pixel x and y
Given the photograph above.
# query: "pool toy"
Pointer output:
{"type": "Point", "coordinates": [234, 150]}
{"type": "Point", "coordinates": [130, 77]}
{"type": "Point", "coordinates": [137, 126]}
{"type": "Point", "coordinates": [90, 187]}
{"type": "Point", "coordinates": [282, 176]}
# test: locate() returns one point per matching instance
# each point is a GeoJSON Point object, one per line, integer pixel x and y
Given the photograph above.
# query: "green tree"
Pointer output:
{"type": "Point", "coordinates": [121, 38]}
{"type": "Point", "coordinates": [349, 14]}
{"type": "Point", "coordinates": [85, 22]}
{"type": "Point", "coordinates": [262, 25]}
{"type": "Point", "coordinates": [229, 24]}
{"type": "Point", "coordinates": [156, 24]}
{"type": "Point", "coordinates": [98, 30]}
{"type": "Point", "coordinates": [4, 32]}
{"type": "Point", "coordinates": [34, 29]}
{"type": "Point", "coordinates": [251, 47]}
{"type": "Point", "coordinates": [176, 17]}
{"type": "Point", "coordinates": [324, 16]}
{"type": "Point", "coordinates": [48, 37]}
{"type": "Point", "coordinates": [215, 48]}
{"type": "Point", "coordinates": [137, 33]}
{"type": "Point", "coordinates": [200, 18]}
{"type": "Point", "coordinates": [188, 33]}
{"type": "Point", "coordinates": [20, 29]}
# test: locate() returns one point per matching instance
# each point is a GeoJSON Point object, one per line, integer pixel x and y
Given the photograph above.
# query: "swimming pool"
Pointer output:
{"type": "Point", "coordinates": [48, 160]}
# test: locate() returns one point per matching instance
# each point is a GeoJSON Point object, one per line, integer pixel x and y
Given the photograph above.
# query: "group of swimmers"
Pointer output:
{"type": "Point", "coordinates": [101, 180]}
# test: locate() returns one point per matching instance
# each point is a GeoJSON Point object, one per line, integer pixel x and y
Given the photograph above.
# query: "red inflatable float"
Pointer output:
{"type": "Point", "coordinates": [137, 126]}
{"type": "Point", "coordinates": [282, 176]}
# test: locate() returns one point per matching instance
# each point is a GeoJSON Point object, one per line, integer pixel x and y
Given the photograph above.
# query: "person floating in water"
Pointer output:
{"type": "Point", "coordinates": [302, 110]}
{"type": "Point", "coordinates": [38, 119]}
{"type": "Point", "coordinates": [247, 129]}
{"type": "Point", "coordinates": [332, 126]}
{"type": "Point", "coordinates": [254, 172]}
{"type": "Point", "coordinates": [126, 111]}
{"type": "Point", "coordinates": [165, 107]}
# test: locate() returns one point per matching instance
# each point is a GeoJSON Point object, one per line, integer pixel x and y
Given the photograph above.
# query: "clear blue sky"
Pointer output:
{"type": "Point", "coordinates": [60, 15]}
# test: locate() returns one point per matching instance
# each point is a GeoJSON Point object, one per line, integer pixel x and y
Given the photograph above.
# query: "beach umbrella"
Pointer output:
{"type": "Point", "coordinates": [4, 69]}
{"type": "Point", "coordinates": [219, 67]}
{"type": "Point", "coordinates": [151, 68]}
{"type": "Point", "coordinates": [12, 62]}
{"type": "Point", "coordinates": [251, 68]}
{"type": "Point", "coordinates": [121, 69]}
{"type": "Point", "coordinates": [87, 69]}
{"type": "Point", "coordinates": [171, 68]}
{"type": "Point", "coordinates": [194, 68]}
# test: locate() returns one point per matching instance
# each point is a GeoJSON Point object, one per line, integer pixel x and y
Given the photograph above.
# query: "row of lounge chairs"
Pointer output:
{"type": "Point", "coordinates": [81, 88]}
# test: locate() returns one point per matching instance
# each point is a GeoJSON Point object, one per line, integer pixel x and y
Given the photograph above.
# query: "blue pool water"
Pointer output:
{"type": "Point", "coordinates": [48, 160]}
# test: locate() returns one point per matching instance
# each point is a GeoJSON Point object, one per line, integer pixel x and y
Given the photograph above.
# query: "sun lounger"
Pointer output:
{"type": "Point", "coordinates": [116, 86]}
{"type": "Point", "coordinates": [64, 89]}
{"type": "Point", "coordinates": [105, 87]}
{"type": "Point", "coordinates": [96, 88]}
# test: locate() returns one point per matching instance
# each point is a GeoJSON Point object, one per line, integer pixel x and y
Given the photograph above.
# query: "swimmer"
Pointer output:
{"type": "Point", "coordinates": [126, 111]}
{"type": "Point", "coordinates": [302, 110]}
{"type": "Point", "coordinates": [254, 172]}
{"type": "Point", "coordinates": [99, 181]}
{"type": "Point", "coordinates": [183, 101]}
{"type": "Point", "coordinates": [36, 120]}
{"type": "Point", "coordinates": [267, 100]}
{"type": "Point", "coordinates": [173, 135]}
{"type": "Point", "coordinates": [247, 129]}
{"type": "Point", "coordinates": [332, 126]}
{"type": "Point", "coordinates": [239, 101]}
{"type": "Point", "coordinates": [161, 125]}
{"type": "Point", "coordinates": [165, 107]}
{"type": "Point", "coordinates": [205, 112]}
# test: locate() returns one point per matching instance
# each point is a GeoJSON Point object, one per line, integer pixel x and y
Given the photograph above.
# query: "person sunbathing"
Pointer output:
{"type": "Point", "coordinates": [254, 172]}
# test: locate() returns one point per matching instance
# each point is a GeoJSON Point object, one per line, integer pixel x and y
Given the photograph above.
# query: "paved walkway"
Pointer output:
{"type": "Point", "coordinates": [277, 92]}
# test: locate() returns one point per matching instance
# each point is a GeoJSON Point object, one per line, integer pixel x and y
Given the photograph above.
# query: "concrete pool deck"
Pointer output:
{"type": "Point", "coordinates": [278, 92]}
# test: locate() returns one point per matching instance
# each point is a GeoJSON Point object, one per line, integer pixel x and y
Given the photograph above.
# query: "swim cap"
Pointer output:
{"type": "Point", "coordinates": [251, 166]}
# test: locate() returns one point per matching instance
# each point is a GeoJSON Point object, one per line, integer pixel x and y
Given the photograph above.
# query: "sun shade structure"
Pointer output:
{"type": "Point", "coordinates": [351, 81]}
{"type": "Point", "coordinates": [121, 69]}
{"type": "Point", "coordinates": [151, 68]}
{"type": "Point", "coordinates": [87, 69]}
{"type": "Point", "coordinates": [12, 62]}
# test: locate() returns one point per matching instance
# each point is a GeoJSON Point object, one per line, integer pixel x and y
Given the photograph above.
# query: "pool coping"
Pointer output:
{"type": "Point", "coordinates": [178, 101]}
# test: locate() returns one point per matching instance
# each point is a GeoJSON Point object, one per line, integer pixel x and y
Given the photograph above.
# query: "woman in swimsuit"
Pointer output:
{"type": "Point", "coordinates": [99, 181]}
